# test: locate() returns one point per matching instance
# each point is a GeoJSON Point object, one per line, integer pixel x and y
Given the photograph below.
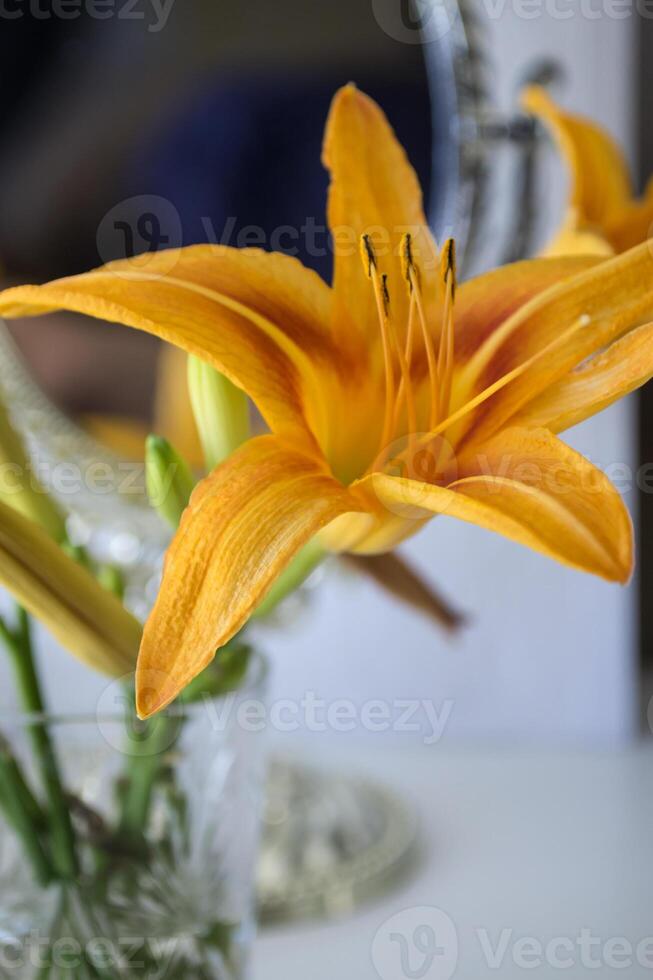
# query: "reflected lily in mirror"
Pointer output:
{"type": "Point", "coordinates": [392, 396]}
{"type": "Point", "coordinates": [603, 214]}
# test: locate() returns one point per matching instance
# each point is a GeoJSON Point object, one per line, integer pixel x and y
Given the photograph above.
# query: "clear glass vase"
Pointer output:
{"type": "Point", "coordinates": [166, 826]}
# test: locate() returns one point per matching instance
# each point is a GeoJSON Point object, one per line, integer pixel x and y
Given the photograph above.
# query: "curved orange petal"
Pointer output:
{"type": "Point", "coordinates": [485, 302]}
{"type": "Point", "coordinates": [244, 524]}
{"type": "Point", "coordinates": [559, 329]}
{"type": "Point", "coordinates": [529, 487]}
{"type": "Point", "coordinates": [374, 190]}
{"type": "Point", "coordinates": [260, 318]}
{"type": "Point", "coordinates": [600, 181]}
{"type": "Point", "coordinates": [613, 373]}
{"type": "Point", "coordinates": [575, 239]}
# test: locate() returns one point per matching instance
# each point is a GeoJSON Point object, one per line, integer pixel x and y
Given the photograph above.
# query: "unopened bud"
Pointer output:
{"type": "Point", "coordinates": [221, 411]}
{"type": "Point", "coordinates": [169, 479]}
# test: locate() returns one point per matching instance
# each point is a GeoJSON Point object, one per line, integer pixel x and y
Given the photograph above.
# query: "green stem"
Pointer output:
{"type": "Point", "coordinates": [19, 646]}
{"type": "Point", "coordinates": [144, 770]}
{"type": "Point", "coordinates": [19, 817]}
{"type": "Point", "coordinates": [28, 801]}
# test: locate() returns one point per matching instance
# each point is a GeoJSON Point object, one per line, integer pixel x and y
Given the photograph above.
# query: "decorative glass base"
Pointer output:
{"type": "Point", "coordinates": [330, 842]}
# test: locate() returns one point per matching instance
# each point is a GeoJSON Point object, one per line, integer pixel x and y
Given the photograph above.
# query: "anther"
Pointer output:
{"type": "Point", "coordinates": [386, 293]}
{"type": "Point", "coordinates": [406, 256]}
{"type": "Point", "coordinates": [368, 256]}
{"type": "Point", "coordinates": [449, 266]}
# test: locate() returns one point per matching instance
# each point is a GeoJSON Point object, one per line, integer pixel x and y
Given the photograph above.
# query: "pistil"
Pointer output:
{"type": "Point", "coordinates": [391, 345]}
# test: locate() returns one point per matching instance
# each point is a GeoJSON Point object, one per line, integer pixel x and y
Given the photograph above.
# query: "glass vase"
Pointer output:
{"type": "Point", "coordinates": [165, 818]}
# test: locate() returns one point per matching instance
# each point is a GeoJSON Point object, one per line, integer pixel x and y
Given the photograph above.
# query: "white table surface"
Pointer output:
{"type": "Point", "coordinates": [553, 848]}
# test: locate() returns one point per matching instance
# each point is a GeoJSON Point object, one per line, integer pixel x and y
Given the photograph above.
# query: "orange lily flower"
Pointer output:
{"type": "Point", "coordinates": [603, 215]}
{"type": "Point", "coordinates": [390, 397]}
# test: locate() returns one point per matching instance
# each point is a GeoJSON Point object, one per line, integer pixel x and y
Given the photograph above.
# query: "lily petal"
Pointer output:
{"type": "Point", "coordinates": [487, 301]}
{"type": "Point", "coordinates": [374, 190]}
{"type": "Point", "coordinates": [575, 239]}
{"type": "Point", "coordinates": [84, 617]}
{"type": "Point", "coordinates": [260, 318]}
{"type": "Point", "coordinates": [244, 524]}
{"type": "Point", "coordinates": [600, 181]}
{"type": "Point", "coordinates": [562, 326]}
{"type": "Point", "coordinates": [533, 489]}
{"type": "Point", "coordinates": [623, 367]}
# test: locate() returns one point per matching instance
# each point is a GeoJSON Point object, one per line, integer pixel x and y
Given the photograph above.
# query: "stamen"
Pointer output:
{"type": "Point", "coordinates": [413, 277]}
{"type": "Point", "coordinates": [405, 385]}
{"type": "Point", "coordinates": [410, 332]}
{"type": "Point", "coordinates": [368, 257]}
{"type": "Point", "coordinates": [446, 352]}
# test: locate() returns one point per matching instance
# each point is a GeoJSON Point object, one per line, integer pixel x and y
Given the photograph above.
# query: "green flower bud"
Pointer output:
{"type": "Point", "coordinates": [221, 411]}
{"type": "Point", "coordinates": [19, 487]}
{"type": "Point", "coordinates": [169, 479]}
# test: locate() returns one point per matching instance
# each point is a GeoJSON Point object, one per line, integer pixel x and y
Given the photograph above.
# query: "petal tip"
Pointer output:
{"type": "Point", "coordinates": [626, 571]}
{"type": "Point", "coordinates": [155, 690]}
{"type": "Point", "coordinates": [349, 96]}
{"type": "Point", "coordinates": [348, 91]}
